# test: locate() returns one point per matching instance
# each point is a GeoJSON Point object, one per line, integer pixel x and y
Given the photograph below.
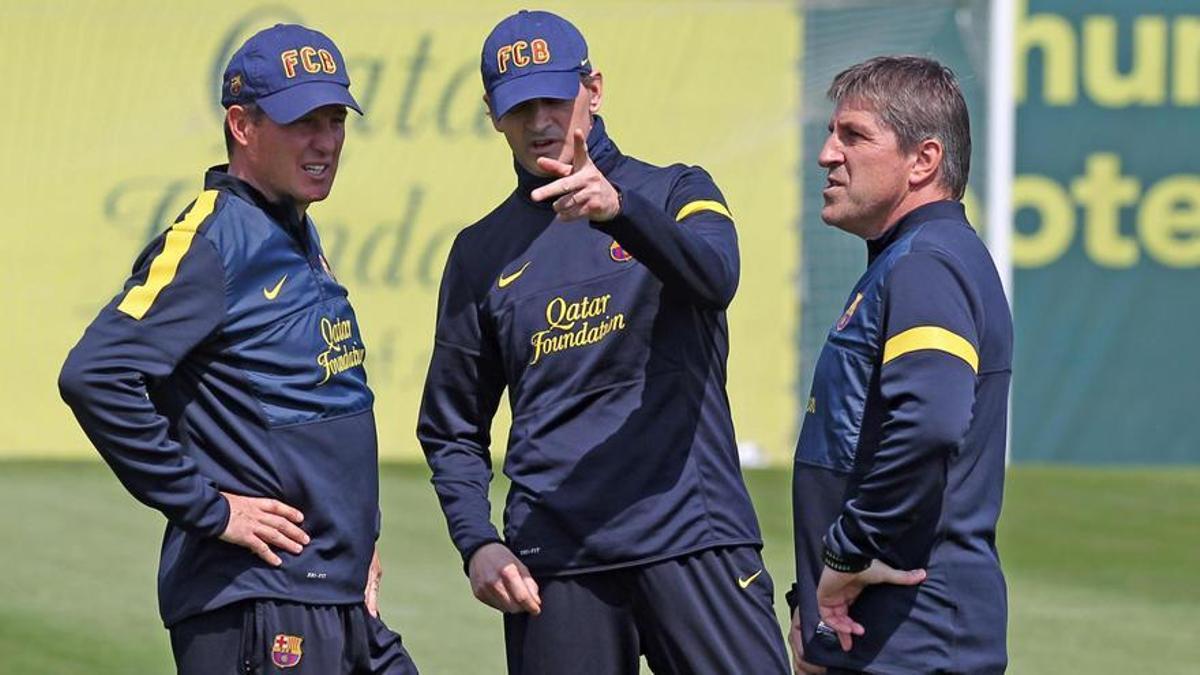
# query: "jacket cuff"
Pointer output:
{"type": "Point", "coordinates": [213, 520]}
{"type": "Point", "coordinates": [469, 551]}
{"type": "Point", "coordinates": [848, 563]}
{"type": "Point", "coordinates": [630, 215]}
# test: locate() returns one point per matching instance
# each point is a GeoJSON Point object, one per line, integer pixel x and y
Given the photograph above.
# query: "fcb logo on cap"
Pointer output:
{"type": "Point", "coordinates": [286, 651]}
{"type": "Point", "coordinates": [532, 54]}
{"type": "Point", "coordinates": [288, 70]}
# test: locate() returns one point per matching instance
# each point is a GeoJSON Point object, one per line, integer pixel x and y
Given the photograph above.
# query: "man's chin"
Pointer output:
{"type": "Point", "coordinates": [317, 195]}
{"type": "Point", "coordinates": [830, 215]}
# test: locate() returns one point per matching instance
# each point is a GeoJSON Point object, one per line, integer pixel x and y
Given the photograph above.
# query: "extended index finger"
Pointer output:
{"type": "Point", "coordinates": [581, 157]}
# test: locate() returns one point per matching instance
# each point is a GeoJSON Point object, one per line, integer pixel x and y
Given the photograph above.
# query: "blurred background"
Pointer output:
{"type": "Point", "coordinates": [1085, 183]}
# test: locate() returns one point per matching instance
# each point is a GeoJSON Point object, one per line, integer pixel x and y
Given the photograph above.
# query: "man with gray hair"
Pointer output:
{"type": "Point", "coordinates": [900, 462]}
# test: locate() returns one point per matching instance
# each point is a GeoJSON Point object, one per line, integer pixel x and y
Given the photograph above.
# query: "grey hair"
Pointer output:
{"type": "Point", "coordinates": [918, 99]}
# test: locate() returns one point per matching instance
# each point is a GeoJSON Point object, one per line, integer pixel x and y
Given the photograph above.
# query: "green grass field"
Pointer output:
{"type": "Point", "coordinates": [1100, 566]}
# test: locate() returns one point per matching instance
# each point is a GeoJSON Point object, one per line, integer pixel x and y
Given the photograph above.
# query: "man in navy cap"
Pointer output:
{"type": "Point", "coordinates": [596, 294]}
{"type": "Point", "coordinates": [225, 387]}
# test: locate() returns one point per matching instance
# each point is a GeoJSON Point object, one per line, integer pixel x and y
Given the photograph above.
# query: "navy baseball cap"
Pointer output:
{"type": "Point", "coordinates": [288, 70]}
{"type": "Point", "coordinates": [532, 55]}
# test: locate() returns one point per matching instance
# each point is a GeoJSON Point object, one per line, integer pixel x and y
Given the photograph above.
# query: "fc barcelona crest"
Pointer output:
{"type": "Point", "coordinates": [617, 253]}
{"type": "Point", "coordinates": [849, 312]}
{"type": "Point", "coordinates": [285, 650]}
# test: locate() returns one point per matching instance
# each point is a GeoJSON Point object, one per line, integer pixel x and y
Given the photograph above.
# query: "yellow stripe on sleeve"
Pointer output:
{"type": "Point", "coordinates": [930, 337]}
{"type": "Point", "coordinates": [164, 266]}
{"type": "Point", "coordinates": [702, 205]}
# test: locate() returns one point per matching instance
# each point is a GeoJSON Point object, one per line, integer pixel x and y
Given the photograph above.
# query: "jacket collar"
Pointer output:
{"type": "Point", "coordinates": [939, 210]}
{"type": "Point", "coordinates": [284, 213]}
{"type": "Point", "coordinates": [604, 153]}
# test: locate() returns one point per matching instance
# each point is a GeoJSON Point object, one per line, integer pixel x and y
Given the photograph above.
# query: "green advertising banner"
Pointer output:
{"type": "Point", "coordinates": [1106, 197]}
{"type": "Point", "coordinates": [1107, 241]}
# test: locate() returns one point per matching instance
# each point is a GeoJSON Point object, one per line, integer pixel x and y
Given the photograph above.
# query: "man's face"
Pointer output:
{"type": "Point", "coordinates": [867, 172]}
{"type": "Point", "coordinates": [542, 127]}
{"type": "Point", "coordinates": [296, 161]}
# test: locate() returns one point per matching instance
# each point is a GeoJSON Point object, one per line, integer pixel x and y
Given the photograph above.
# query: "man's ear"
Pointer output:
{"type": "Point", "coordinates": [241, 125]}
{"type": "Point", "coordinates": [927, 162]}
{"type": "Point", "coordinates": [594, 83]}
{"type": "Point", "coordinates": [487, 103]}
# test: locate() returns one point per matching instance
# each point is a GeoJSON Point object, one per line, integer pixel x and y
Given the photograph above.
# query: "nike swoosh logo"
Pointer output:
{"type": "Point", "coordinates": [748, 580]}
{"type": "Point", "coordinates": [506, 280]}
{"type": "Point", "coordinates": [274, 292]}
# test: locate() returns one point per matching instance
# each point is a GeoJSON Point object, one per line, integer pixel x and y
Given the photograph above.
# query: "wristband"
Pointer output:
{"type": "Point", "coordinates": [849, 564]}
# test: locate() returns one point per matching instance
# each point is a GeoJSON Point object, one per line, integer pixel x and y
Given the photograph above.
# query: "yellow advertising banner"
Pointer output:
{"type": "Point", "coordinates": [112, 116]}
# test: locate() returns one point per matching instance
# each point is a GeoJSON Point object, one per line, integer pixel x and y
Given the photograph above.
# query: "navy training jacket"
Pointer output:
{"type": "Point", "coordinates": [232, 361]}
{"type": "Point", "coordinates": [612, 342]}
{"type": "Point", "coordinates": [901, 454]}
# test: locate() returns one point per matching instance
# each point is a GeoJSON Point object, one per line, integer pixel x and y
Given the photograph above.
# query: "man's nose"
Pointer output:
{"type": "Point", "coordinates": [542, 110]}
{"type": "Point", "coordinates": [831, 153]}
{"type": "Point", "coordinates": [325, 139]}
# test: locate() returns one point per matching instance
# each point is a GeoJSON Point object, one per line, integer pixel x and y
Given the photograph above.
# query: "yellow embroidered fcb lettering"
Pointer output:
{"type": "Point", "coordinates": [312, 60]}
{"type": "Point", "coordinates": [541, 51]}
{"type": "Point", "coordinates": [522, 53]}
{"type": "Point", "coordinates": [328, 65]}
{"type": "Point", "coordinates": [307, 55]}
{"type": "Point", "coordinates": [519, 56]}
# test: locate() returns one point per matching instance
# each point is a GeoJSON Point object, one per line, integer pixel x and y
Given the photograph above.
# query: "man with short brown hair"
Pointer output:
{"type": "Point", "coordinates": [900, 461]}
{"type": "Point", "coordinates": [596, 294]}
{"type": "Point", "coordinates": [225, 388]}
